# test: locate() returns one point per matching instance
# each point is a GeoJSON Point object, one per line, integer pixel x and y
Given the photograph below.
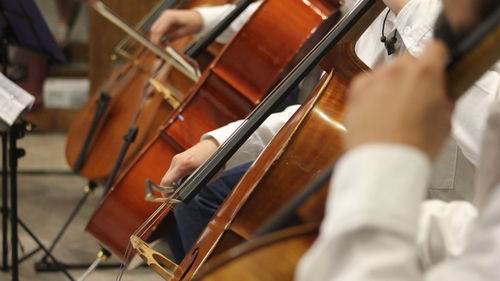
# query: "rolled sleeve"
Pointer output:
{"type": "Point", "coordinates": [380, 184]}
{"type": "Point", "coordinates": [212, 15]}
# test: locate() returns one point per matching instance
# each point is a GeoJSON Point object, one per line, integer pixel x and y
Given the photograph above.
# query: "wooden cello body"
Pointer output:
{"type": "Point", "coordinates": [308, 143]}
{"type": "Point", "coordinates": [265, 188]}
{"type": "Point", "coordinates": [259, 55]}
{"type": "Point", "coordinates": [267, 258]}
{"type": "Point", "coordinates": [469, 61]}
{"type": "Point", "coordinates": [124, 99]}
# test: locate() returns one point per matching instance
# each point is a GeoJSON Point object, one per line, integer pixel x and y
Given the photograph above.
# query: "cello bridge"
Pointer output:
{"type": "Point", "coordinates": [155, 260]}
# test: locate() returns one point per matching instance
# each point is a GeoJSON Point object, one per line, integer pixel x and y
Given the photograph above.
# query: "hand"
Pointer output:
{"type": "Point", "coordinates": [461, 14]}
{"type": "Point", "coordinates": [186, 162]}
{"type": "Point", "coordinates": [402, 102]}
{"type": "Point", "coordinates": [174, 24]}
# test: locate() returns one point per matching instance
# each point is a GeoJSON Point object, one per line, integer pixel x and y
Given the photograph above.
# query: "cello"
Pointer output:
{"type": "Point", "coordinates": [246, 209]}
{"type": "Point", "coordinates": [96, 136]}
{"type": "Point", "coordinates": [234, 84]}
{"type": "Point", "coordinates": [470, 59]}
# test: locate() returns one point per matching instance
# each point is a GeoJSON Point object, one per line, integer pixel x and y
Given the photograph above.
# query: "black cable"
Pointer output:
{"type": "Point", "coordinates": [389, 44]}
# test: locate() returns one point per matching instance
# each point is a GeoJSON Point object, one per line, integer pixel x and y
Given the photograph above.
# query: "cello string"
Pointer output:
{"type": "Point", "coordinates": [165, 207]}
{"type": "Point", "coordinates": [155, 217]}
{"type": "Point", "coordinates": [144, 95]}
{"type": "Point", "coordinates": [129, 250]}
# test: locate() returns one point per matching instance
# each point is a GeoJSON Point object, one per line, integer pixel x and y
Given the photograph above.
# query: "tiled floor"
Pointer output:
{"type": "Point", "coordinates": [45, 202]}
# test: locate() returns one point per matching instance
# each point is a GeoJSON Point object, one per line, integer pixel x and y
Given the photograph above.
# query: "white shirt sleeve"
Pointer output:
{"type": "Point", "coordinates": [480, 260]}
{"type": "Point", "coordinates": [258, 140]}
{"type": "Point", "coordinates": [211, 16]}
{"type": "Point", "coordinates": [471, 113]}
{"type": "Point", "coordinates": [370, 227]}
{"type": "Point", "coordinates": [370, 231]}
{"type": "Point", "coordinates": [444, 230]}
{"type": "Point", "coordinates": [376, 227]}
{"type": "Point", "coordinates": [415, 24]}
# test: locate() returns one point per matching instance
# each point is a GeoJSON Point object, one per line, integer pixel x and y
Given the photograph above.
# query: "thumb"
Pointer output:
{"type": "Point", "coordinates": [173, 174]}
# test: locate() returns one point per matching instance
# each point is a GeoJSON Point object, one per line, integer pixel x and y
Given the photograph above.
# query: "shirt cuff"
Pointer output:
{"type": "Point", "coordinates": [212, 15]}
{"type": "Point", "coordinates": [223, 133]}
{"type": "Point", "coordinates": [380, 185]}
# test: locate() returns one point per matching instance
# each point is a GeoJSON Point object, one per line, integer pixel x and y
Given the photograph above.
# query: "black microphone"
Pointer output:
{"type": "Point", "coordinates": [389, 44]}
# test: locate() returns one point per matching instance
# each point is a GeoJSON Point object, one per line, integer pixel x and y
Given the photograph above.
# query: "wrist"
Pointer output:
{"type": "Point", "coordinates": [197, 19]}
{"type": "Point", "coordinates": [210, 143]}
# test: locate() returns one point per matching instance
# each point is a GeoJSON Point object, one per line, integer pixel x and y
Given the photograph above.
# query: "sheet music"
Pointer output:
{"type": "Point", "coordinates": [13, 100]}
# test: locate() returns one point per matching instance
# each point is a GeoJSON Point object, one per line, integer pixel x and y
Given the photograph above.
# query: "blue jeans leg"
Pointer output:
{"type": "Point", "coordinates": [191, 218]}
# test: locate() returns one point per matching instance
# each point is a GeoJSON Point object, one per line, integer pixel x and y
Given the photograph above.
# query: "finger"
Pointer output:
{"type": "Point", "coordinates": [436, 54]}
{"type": "Point", "coordinates": [160, 28]}
{"type": "Point", "coordinates": [177, 33]}
{"type": "Point", "coordinates": [156, 35]}
{"type": "Point", "coordinates": [155, 38]}
{"type": "Point", "coordinates": [173, 174]}
{"type": "Point", "coordinates": [358, 85]}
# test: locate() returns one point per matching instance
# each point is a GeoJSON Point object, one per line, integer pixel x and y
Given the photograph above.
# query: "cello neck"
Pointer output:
{"type": "Point", "coordinates": [470, 59]}
{"type": "Point", "coordinates": [358, 18]}
{"type": "Point", "coordinates": [477, 52]}
{"type": "Point", "coordinates": [195, 50]}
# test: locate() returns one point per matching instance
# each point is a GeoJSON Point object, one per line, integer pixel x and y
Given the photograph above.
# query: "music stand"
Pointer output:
{"type": "Point", "coordinates": [20, 24]}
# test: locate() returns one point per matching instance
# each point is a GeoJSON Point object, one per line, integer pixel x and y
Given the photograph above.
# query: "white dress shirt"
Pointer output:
{"type": "Point", "coordinates": [453, 172]}
{"type": "Point", "coordinates": [452, 175]}
{"type": "Point", "coordinates": [212, 15]}
{"type": "Point", "coordinates": [371, 225]}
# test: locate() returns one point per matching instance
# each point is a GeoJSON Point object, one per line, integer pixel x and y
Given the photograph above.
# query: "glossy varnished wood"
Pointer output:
{"type": "Point", "coordinates": [265, 187]}
{"type": "Point", "coordinates": [234, 84]}
{"type": "Point", "coordinates": [283, 155]}
{"type": "Point", "coordinates": [104, 36]}
{"type": "Point", "coordinates": [262, 258]}
{"type": "Point", "coordinates": [128, 88]}
{"type": "Point", "coordinates": [308, 143]}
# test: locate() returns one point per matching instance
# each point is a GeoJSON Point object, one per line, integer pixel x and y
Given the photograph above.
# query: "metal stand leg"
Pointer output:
{"type": "Point", "coordinates": [102, 104]}
{"type": "Point", "coordinates": [60, 266]}
{"type": "Point", "coordinates": [5, 212]}
{"type": "Point", "coordinates": [129, 138]}
{"type": "Point", "coordinates": [44, 265]}
{"type": "Point", "coordinates": [14, 153]}
{"type": "Point", "coordinates": [17, 131]}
